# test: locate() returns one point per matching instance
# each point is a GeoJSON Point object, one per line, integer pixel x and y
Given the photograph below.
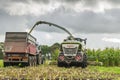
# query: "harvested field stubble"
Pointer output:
{"type": "Point", "coordinates": [52, 72]}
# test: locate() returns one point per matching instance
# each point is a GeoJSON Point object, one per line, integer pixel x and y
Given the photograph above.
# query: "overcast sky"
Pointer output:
{"type": "Point", "coordinates": [96, 20]}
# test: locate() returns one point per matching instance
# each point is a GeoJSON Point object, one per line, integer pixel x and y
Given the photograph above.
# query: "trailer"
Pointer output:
{"type": "Point", "coordinates": [20, 48]}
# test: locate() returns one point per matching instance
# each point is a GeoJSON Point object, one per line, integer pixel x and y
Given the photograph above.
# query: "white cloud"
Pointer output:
{"type": "Point", "coordinates": [48, 36]}
{"type": "Point", "coordinates": [113, 40]}
{"type": "Point", "coordinates": [99, 7]}
{"type": "Point", "coordinates": [37, 8]}
{"type": "Point", "coordinates": [45, 38]}
{"type": "Point", "coordinates": [30, 8]}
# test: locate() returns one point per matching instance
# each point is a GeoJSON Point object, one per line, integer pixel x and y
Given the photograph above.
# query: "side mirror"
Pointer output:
{"type": "Point", "coordinates": [85, 41]}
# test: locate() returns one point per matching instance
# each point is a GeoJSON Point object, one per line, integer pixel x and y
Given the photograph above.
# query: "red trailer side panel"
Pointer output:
{"type": "Point", "coordinates": [32, 49]}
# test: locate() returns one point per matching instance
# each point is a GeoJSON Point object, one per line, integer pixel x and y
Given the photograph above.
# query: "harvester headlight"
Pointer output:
{"type": "Point", "coordinates": [78, 57]}
{"type": "Point", "coordinates": [61, 57]}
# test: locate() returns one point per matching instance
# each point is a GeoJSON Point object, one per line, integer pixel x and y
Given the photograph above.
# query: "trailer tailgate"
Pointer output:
{"type": "Point", "coordinates": [19, 47]}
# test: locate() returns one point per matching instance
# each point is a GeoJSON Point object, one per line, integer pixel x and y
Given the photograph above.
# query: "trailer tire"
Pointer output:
{"type": "Point", "coordinates": [35, 61]}
{"type": "Point", "coordinates": [30, 61]}
{"type": "Point", "coordinates": [6, 64]}
{"type": "Point", "coordinates": [39, 60]}
{"type": "Point", "coordinates": [42, 62]}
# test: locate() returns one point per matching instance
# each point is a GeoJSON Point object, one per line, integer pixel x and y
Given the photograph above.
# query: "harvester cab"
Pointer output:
{"type": "Point", "coordinates": [73, 52]}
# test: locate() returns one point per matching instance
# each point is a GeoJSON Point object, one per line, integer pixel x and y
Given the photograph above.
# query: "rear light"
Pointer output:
{"type": "Point", "coordinates": [8, 55]}
{"type": "Point", "coordinates": [61, 57]}
{"type": "Point", "coordinates": [25, 59]}
{"type": "Point", "coordinates": [78, 57]}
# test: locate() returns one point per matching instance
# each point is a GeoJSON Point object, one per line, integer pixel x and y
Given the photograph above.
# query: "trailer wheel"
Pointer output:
{"type": "Point", "coordinates": [6, 64]}
{"type": "Point", "coordinates": [30, 61]}
{"type": "Point", "coordinates": [39, 60]}
{"type": "Point", "coordinates": [35, 61]}
{"type": "Point", "coordinates": [42, 62]}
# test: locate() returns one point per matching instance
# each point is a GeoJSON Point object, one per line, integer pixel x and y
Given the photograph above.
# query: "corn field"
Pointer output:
{"type": "Point", "coordinates": [52, 72]}
{"type": "Point", "coordinates": [108, 56]}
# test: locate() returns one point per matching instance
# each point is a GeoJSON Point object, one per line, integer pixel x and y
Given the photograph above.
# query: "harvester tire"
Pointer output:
{"type": "Point", "coordinates": [59, 64]}
{"type": "Point", "coordinates": [84, 63]}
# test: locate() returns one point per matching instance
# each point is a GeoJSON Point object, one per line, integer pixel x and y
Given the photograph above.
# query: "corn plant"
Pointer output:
{"type": "Point", "coordinates": [109, 56]}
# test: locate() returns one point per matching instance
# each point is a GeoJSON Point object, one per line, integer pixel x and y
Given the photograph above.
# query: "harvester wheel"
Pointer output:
{"type": "Point", "coordinates": [59, 64]}
{"type": "Point", "coordinates": [84, 63]}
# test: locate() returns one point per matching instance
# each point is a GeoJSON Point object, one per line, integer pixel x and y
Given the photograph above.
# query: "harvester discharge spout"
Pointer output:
{"type": "Point", "coordinates": [50, 24]}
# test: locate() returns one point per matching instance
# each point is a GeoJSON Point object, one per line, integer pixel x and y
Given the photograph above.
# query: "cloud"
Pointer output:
{"type": "Point", "coordinates": [87, 16]}
{"type": "Point", "coordinates": [114, 2]}
{"type": "Point", "coordinates": [11, 23]}
{"type": "Point", "coordinates": [113, 40]}
{"type": "Point", "coordinates": [83, 22]}
{"type": "Point", "coordinates": [41, 7]}
{"type": "Point", "coordinates": [48, 38]}
{"type": "Point", "coordinates": [30, 8]}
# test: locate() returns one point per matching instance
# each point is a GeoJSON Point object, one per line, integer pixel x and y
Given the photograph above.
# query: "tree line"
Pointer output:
{"type": "Point", "coordinates": [108, 56]}
{"type": "Point", "coordinates": [51, 51]}
{"type": "Point", "coordinates": [1, 49]}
